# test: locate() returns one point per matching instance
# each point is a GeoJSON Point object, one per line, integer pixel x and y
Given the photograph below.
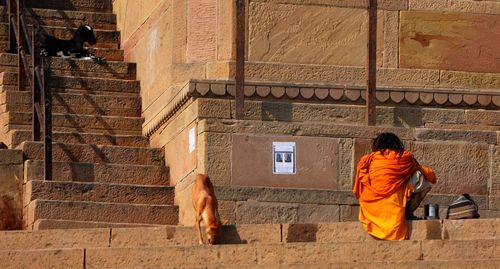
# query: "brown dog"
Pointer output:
{"type": "Point", "coordinates": [205, 207]}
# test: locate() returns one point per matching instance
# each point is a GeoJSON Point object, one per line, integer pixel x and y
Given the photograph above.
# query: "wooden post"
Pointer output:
{"type": "Point", "coordinates": [371, 69]}
{"type": "Point", "coordinates": [240, 60]}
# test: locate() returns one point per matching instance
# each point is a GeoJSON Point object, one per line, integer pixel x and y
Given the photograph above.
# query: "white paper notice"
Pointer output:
{"type": "Point", "coordinates": [192, 140]}
{"type": "Point", "coordinates": [284, 158]}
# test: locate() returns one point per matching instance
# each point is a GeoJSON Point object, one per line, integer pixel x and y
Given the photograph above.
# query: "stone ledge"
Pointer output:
{"type": "Point", "coordinates": [350, 94]}
{"type": "Point", "coordinates": [176, 104]}
{"type": "Point", "coordinates": [345, 130]}
{"type": "Point", "coordinates": [317, 196]}
{"type": "Point", "coordinates": [460, 135]}
{"type": "Point", "coordinates": [306, 196]}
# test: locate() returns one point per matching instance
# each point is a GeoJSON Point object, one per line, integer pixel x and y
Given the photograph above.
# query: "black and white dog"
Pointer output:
{"type": "Point", "coordinates": [53, 46]}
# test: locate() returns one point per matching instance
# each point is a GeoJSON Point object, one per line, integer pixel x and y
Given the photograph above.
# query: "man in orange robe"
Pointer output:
{"type": "Point", "coordinates": [384, 190]}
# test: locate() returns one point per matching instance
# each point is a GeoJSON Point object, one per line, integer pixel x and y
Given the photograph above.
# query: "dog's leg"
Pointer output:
{"type": "Point", "coordinates": [198, 228]}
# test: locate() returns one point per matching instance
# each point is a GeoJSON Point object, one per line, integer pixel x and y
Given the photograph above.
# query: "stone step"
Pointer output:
{"type": "Point", "coordinates": [261, 234]}
{"type": "Point", "coordinates": [81, 84]}
{"type": "Point", "coordinates": [107, 53]}
{"type": "Point", "coordinates": [68, 18]}
{"type": "Point", "coordinates": [101, 212]}
{"type": "Point", "coordinates": [76, 67]}
{"type": "Point", "coordinates": [105, 38]}
{"type": "Point", "coordinates": [73, 103]}
{"type": "Point", "coordinates": [51, 224]}
{"type": "Point", "coordinates": [19, 136]}
{"type": "Point", "coordinates": [79, 258]}
{"type": "Point", "coordinates": [89, 153]}
{"type": "Point", "coordinates": [104, 6]}
{"type": "Point", "coordinates": [99, 172]}
{"type": "Point", "coordinates": [369, 265]}
{"type": "Point", "coordinates": [486, 229]}
{"type": "Point", "coordinates": [98, 192]}
{"type": "Point", "coordinates": [80, 123]}
{"type": "Point", "coordinates": [282, 255]}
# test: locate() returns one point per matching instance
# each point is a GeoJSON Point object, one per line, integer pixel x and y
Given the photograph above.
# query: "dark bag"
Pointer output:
{"type": "Point", "coordinates": [463, 208]}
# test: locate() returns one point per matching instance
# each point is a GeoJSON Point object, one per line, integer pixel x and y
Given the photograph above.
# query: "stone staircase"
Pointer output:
{"type": "Point", "coordinates": [433, 244]}
{"type": "Point", "coordinates": [105, 174]}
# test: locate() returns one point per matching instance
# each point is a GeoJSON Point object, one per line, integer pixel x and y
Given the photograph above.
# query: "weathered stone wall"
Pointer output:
{"type": "Point", "coordinates": [11, 180]}
{"type": "Point", "coordinates": [330, 140]}
{"type": "Point", "coordinates": [445, 51]}
{"type": "Point", "coordinates": [420, 43]}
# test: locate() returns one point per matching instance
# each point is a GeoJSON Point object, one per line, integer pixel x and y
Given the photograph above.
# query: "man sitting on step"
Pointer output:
{"type": "Point", "coordinates": [390, 184]}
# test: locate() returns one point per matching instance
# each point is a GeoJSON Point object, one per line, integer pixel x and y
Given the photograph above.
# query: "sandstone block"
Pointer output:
{"type": "Point", "coordinates": [301, 39]}
{"type": "Point", "coordinates": [489, 214]}
{"type": "Point", "coordinates": [51, 224]}
{"type": "Point", "coordinates": [315, 158]}
{"type": "Point", "coordinates": [454, 249]}
{"type": "Point", "coordinates": [60, 258]}
{"type": "Point", "coordinates": [211, 108]}
{"type": "Point", "coordinates": [152, 237]}
{"type": "Point", "coordinates": [349, 212]}
{"type": "Point", "coordinates": [458, 135]}
{"type": "Point", "coordinates": [424, 230]}
{"type": "Point", "coordinates": [218, 164]}
{"type": "Point", "coordinates": [254, 212]}
{"type": "Point", "coordinates": [458, 79]}
{"type": "Point", "coordinates": [285, 195]}
{"type": "Point", "coordinates": [86, 123]}
{"type": "Point", "coordinates": [479, 117]}
{"type": "Point", "coordinates": [482, 7]}
{"type": "Point", "coordinates": [18, 136]}
{"type": "Point", "coordinates": [467, 172]}
{"type": "Point", "coordinates": [346, 165]}
{"type": "Point", "coordinates": [201, 30]}
{"type": "Point", "coordinates": [324, 232]}
{"type": "Point", "coordinates": [427, 36]}
{"type": "Point", "coordinates": [251, 234]}
{"type": "Point", "coordinates": [184, 201]}
{"type": "Point", "coordinates": [314, 213]}
{"type": "Point", "coordinates": [99, 172]}
{"type": "Point", "coordinates": [92, 211]}
{"type": "Point", "coordinates": [390, 56]}
{"type": "Point", "coordinates": [54, 239]}
{"type": "Point", "coordinates": [93, 153]}
{"type": "Point", "coordinates": [393, 4]}
{"type": "Point", "coordinates": [180, 155]}
{"type": "Point", "coordinates": [98, 192]}
{"type": "Point", "coordinates": [306, 253]}
{"type": "Point", "coordinates": [158, 257]}
{"type": "Point", "coordinates": [11, 156]}
{"type": "Point", "coordinates": [227, 211]}
{"type": "Point", "coordinates": [471, 229]}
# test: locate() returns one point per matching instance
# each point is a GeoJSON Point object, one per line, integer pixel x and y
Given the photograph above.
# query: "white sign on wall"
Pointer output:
{"type": "Point", "coordinates": [284, 158]}
{"type": "Point", "coordinates": [192, 140]}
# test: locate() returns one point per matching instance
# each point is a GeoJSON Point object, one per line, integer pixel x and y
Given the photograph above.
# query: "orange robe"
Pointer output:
{"type": "Point", "coordinates": [382, 189]}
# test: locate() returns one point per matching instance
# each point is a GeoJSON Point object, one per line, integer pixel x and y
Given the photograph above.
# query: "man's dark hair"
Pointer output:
{"type": "Point", "coordinates": [387, 141]}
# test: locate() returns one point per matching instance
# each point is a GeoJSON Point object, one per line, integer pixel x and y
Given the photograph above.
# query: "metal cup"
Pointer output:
{"type": "Point", "coordinates": [431, 211]}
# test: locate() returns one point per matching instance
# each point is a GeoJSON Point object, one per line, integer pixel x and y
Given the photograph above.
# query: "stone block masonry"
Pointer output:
{"type": "Point", "coordinates": [318, 245]}
{"type": "Point", "coordinates": [429, 44]}
{"type": "Point", "coordinates": [11, 179]}
{"type": "Point", "coordinates": [330, 139]}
